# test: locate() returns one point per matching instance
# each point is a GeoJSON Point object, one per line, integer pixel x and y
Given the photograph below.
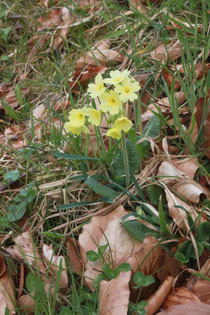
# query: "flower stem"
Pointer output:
{"type": "Point", "coordinates": [125, 157]}
{"type": "Point", "coordinates": [104, 150]}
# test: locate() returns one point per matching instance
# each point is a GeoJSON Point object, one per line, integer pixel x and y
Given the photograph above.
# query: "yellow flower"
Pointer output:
{"type": "Point", "coordinates": [97, 88]}
{"type": "Point", "coordinates": [94, 116]}
{"type": "Point", "coordinates": [114, 133]}
{"type": "Point", "coordinates": [77, 117]}
{"type": "Point", "coordinates": [75, 130]}
{"type": "Point", "coordinates": [110, 102]}
{"type": "Point", "coordinates": [127, 90]}
{"type": "Point", "coordinates": [117, 76]}
{"type": "Point", "coordinates": [122, 123]}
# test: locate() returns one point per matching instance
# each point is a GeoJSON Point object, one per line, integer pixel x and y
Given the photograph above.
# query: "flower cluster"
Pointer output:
{"type": "Point", "coordinates": [111, 102]}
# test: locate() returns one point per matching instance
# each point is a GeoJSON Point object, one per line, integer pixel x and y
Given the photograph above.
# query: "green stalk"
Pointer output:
{"type": "Point", "coordinates": [104, 150]}
{"type": "Point", "coordinates": [125, 157]}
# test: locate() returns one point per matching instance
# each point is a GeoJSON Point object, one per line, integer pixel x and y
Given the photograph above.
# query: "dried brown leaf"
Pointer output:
{"type": "Point", "coordinates": [193, 308]}
{"type": "Point", "coordinates": [199, 112]}
{"type": "Point", "coordinates": [180, 295]}
{"type": "Point", "coordinates": [54, 262]}
{"type": "Point", "coordinates": [11, 98]}
{"type": "Point", "coordinates": [114, 295]}
{"type": "Point", "coordinates": [102, 53]}
{"type": "Point", "coordinates": [178, 215]}
{"type": "Point", "coordinates": [24, 250]}
{"type": "Point", "coordinates": [156, 300]}
{"type": "Point", "coordinates": [169, 265]}
{"type": "Point", "coordinates": [121, 246]}
{"type": "Point", "coordinates": [187, 166]}
{"type": "Point", "coordinates": [57, 19]}
{"type": "Point", "coordinates": [83, 76]}
{"type": "Point", "coordinates": [171, 52]}
{"type": "Point", "coordinates": [186, 187]}
{"type": "Point", "coordinates": [74, 259]}
{"type": "Point", "coordinates": [152, 261]}
{"type": "Point", "coordinates": [164, 105]}
{"type": "Point", "coordinates": [202, 290]}
{"type": "Point", "coordinates": [7, 294]}
{"type": "Point", "coordinates": [2, 266]}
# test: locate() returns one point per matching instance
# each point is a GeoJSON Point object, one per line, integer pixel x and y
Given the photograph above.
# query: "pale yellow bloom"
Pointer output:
{"type": "Point", "coordinates": [77, 117]}
{"type": "Point", "coordinates": [114, 133]}
{"type": "Point", "coordinates": [122, 123]}
{"type": "Point", "coordinates": [110, 102]}
{"type": "Point", "coordinates": [117, 77]}
{"type": "Point", "coordinates": [94, 116]}
{"type": "Point", "coordinates": [75, 130]}
{"type": "Point", "coordinates": [97, 88]}
{"type": "Point", "coordinates": [127, 90]}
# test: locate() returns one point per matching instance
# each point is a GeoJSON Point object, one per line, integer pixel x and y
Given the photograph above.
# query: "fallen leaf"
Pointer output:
{"type": "Point", "coordinates": [74, 259]}
{"type": "Point", "coordinates": [163, 105]}
{"type": "Point", "coordinates": [7, 294]}
{"type": "Point", "coordinates": [122, 247]}
{"type": "Point", "coordinates": [54, 262]}
{"type": "Point", "coordinates": [201, 108]}
{"type": "Point", "coordinates": [202, 290]}
{"type": "Point", "coordinates": [193, 308]}
{"type": "Point", "coordinates": [83, 76]}
{"type": "Point", "coordinates": [101, 54]}
{"type": "Point", "coordinates": [11, 98]}
{"type": "Point", "coordinates": [185, 186]}
{"type": "Point", "coordinates": [170, 76]}
{"type": "Point", "coordinates": [178, 215]}
{"type": "Point", "coordinates": [114, 295]}
{"type": "Point", "coordinates": [169, 265]}
{"type": "Point", "coordinates": [180, 296]}
{"type": "Point", "coordinates": [170, 52]}
{"type": "Point", "coordinates": [2, 266]}
{"type": "Point", "coordinates": [57, 19]}
{"type": "Point", "coordinates": [24, 250]}
{"type": "Point", "coordinates": [156, 300]}
{"type": "Point", "coordinates": [187, 166]}
{"type": "Point", "coordinates": [151, 263]}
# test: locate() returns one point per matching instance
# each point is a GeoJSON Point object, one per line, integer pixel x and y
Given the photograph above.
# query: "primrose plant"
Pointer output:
{"type": "Point", "coordinates": [113, 94]}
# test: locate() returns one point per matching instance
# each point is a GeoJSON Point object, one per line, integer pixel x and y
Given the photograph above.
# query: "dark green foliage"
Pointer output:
{"type": "Point", "coordinates": [133, 158]}
{"type": "Point", "coordinates": [17, 209]}
{"type": "Point", "coordinates": [138, 230]}
{"type": "Point", "coordinates": [100, 189]}
{"type": "Point", "coordinates": [154, 192]}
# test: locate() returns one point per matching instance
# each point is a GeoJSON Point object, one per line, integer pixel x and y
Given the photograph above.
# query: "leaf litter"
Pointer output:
{"type": "Point", "coordinates": [176, 288]}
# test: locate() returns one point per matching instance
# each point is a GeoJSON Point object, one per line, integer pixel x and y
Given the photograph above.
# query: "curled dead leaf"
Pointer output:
{"type": "Point", "coordinates": [114, 295]}
{"type": "Point", "coordinates": [178, 215]}
{"type": "Point", "coordinates": [186, 187]}
{"type": "Point", "coordinates": [156, 300]}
